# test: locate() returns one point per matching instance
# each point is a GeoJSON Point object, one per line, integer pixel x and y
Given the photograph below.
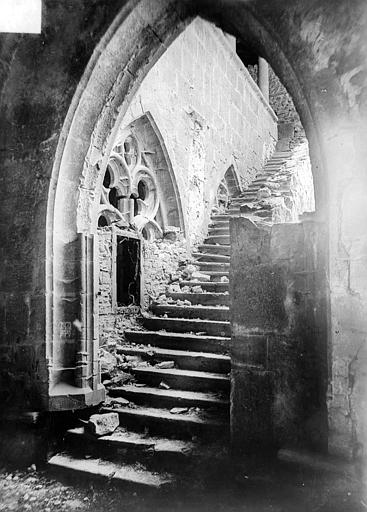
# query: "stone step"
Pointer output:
{"type": "Point", "coordinates": [218, 239]}
{"type": "Point", "coordinates": [209, 286]}
{"type": "Point", "coordinates": [213, 266]}
{"type": "Point", "coordinates": [187, 380]}
{"type": "Point", "coordinates": [260, 181]}
{"type": "Point", "coordinates": [164, 423]}
{"type": "Point", "coordinates": [180, 341]}
{"type": "Point", "coordinates": [168, 398]}
{"type": "Point", "coordinates": [219, 217]}
{"type": "Point", "coordinates": [206, 299]}
{"type": "Point", "coordinates": [254, 187]}
{"type": "Point", "coordinates": [219, 231]}
{"type": "Point", "coordinates": [207, 256]}
{"type": "Point", "coordinates": [211, 327]}
{"type": "Point", "coordinates": [203, 312]}
{"type": "Point", "coordinates": [184, 359]}
{"type": "Point", "coordinates": [245, 196]}
{"type": "Point", "coordinates": [117, 473]}
{"type": "Point", "coordinates": [215, 248]}
{"type": "Point", "coordinates": [155, 453]}
{"type": "Point", "coordinates": [220, 223]}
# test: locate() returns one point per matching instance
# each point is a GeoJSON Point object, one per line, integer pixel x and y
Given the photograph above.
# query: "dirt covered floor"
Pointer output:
{"type": "Point", "coordinates": [278, 489]}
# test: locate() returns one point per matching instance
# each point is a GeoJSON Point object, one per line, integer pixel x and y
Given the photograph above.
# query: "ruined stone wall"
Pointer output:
{"type": "Point", "coordinates": [210, 114]}
{"type": "Point", "coordinates": [160, 261]}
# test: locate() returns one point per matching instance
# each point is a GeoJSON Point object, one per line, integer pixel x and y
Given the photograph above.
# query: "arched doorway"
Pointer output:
{"type": "Point", "coordinates": [70, 246]}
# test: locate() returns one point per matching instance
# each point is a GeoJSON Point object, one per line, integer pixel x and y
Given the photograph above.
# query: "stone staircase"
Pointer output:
{"type": "Point", "coordinates": [174, 410]}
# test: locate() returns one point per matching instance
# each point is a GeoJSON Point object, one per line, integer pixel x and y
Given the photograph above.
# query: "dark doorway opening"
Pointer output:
{"type": "Point", "coordinates": [128, 271]}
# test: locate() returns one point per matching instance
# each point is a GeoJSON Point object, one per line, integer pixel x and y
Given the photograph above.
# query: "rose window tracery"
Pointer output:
{"type": "Point", "coordinates": [129, 196]}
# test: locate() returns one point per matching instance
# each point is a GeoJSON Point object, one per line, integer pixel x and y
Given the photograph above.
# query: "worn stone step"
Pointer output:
{"type": "Point", "coordinates": [184, 359]}
{"type": "Point", "coordinates": [218, 239]}
{"type": "Point", "coordinates": [204, 312]}
{"type": "Point", "coordinates": [211, 327]}
{"type": "Point", "coordinates": [207, 256]}
{"type": "Point", "coordinates": [168, 398]}
{"type": "Point", "coordinates": [219, 231]}
{"type": "Point", "coordinates": [219, 217]}
{"type": "Point", "coordinates": [180, 341]}
{"type": "Point", "coordinates": [187, 380]}
{"type": "Point", "coordinates": [219, 223]}
{"type": "Point", "coordinates": [215, 248]}
{"type": "Point", "coordinates": [212, 266]}
{"type": "Point", "coordinates": [134, 446]}
{"type": "Point", "coordinates": [210, 286]}
{"type": "Point", "coordinates": [206, 299]}
{"type": "Point", "coordinates": [260, 181]}
{"type": "Point", "coordinates": [116, 473]}
{"type": "Point", "coordinates": [164, 423]}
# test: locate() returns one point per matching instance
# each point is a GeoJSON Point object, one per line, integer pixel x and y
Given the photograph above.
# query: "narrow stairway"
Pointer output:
{"type": "Point", "coordinates": [174, 409]}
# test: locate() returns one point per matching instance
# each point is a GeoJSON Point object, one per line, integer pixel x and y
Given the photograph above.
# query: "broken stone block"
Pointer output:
{"type": "Point", "coordinates": [179, 410]}
{"type": "Point", "coordinates": [163, 385]}
{"type": "Point", "coordinates": [165, 365]}
{"type": "Point", "coordinates": [103, 424]}
{"type": "Point", "coordinates": [171, 234]}
{"type": "Point", "coordinates": [174, 288]}
{"type": "Point", "coordinates": [189, 270]}
{"type": "Point", "coordinates": [224, 279]}
{"type": "Point", "coordinates": [108, 361]}
{"type": "Point", "coordinates": [121, 402]}
{"type": "Point", "coordinates": [197, 289]}
{"type": "Point", "coordinates": [187, 303]}
{"type": "Point", "coordinates": [200, 276]}
{"type": "Point", "coordinates": [264, 193]}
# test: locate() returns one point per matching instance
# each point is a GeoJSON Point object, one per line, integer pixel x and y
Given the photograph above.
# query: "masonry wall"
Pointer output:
{"type": "Point", "coordinates": [210, 114]}
{"type": "Point", "coordinates": [279, 345]}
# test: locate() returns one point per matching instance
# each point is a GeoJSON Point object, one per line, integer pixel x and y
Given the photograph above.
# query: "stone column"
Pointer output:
{"type": "Point", "coordinates": [264, 78]}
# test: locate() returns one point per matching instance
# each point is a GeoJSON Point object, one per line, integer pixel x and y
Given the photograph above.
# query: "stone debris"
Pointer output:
{"type": "Point", "coordinates": [165, 365]}
{"type": "Point", "coordinates": [179, 410]}
{"type": "Point", "coordinates": [199, 276]}
{"type": "Point", "coordinates": [108, 361]}
{"type": "Point", "coordinates": [122, 378]}
{"type": "Point", "coordinates": [103, 424]}
{"type": "Point", "coordinates": [189, 270]}
{"type": "Point", "coordinates": [173, 288]}
{"type": "Point", "coordinates": [224, 279]}
{"type": "Point", "coordinates": [197, 289]}
{"type": "Point", "coordinates": [263, 193]}
{"type": "Point", "coordinates": [119, 401]}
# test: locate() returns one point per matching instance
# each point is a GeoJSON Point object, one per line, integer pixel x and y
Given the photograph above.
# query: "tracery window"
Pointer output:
{"type": "Point", "coordinates": [130, 193]}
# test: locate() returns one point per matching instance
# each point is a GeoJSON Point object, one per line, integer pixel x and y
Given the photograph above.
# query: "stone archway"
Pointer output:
{"type": "Point", "coordinates": [321, 62]}
{"type": "Point", "coordinates": [112, 79]}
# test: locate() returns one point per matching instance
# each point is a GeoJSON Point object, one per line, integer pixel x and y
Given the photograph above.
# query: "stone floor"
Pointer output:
{"type": "Point", "coordinates": [268, 489]}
